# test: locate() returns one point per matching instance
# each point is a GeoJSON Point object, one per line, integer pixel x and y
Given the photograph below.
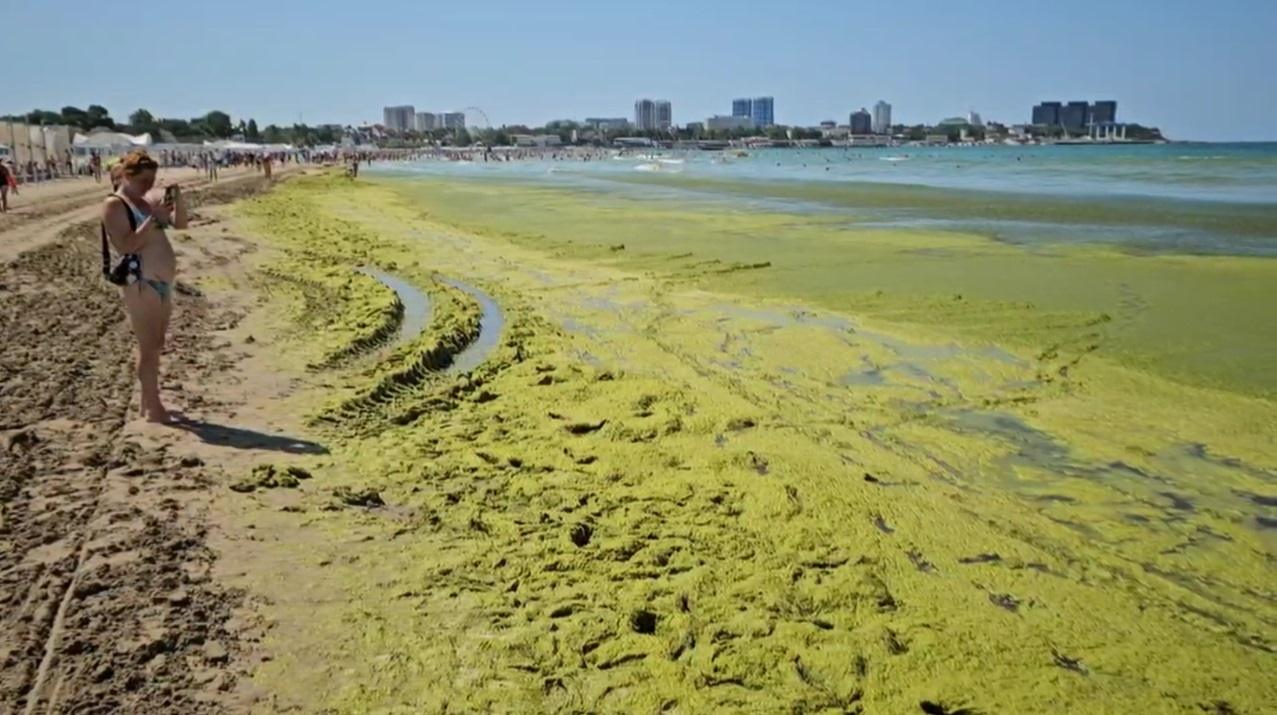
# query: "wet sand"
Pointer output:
{"type": "Point", "coordinates": [452, 465]}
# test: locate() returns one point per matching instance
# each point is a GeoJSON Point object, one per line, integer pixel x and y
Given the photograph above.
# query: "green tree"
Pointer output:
{"type": "Point", "coordinates": [43, 116]}
{"type": "Point", "coordinates": [326, 134]}
{"type": "Point", "coordinates": [273, 135]}
{"type": "Point", "coordinates": [76, 117]}
{"type": "Point", "coordinates": [252, 134]}
{"type": "Point", "coordinates": [100, 117]}
{"type": "Point", "coordinates": [218, 124]}
{"type": "Point", "coordinates": [142, 121]}
{"type": "Point", "coordinates": [179, 128]}
{"type": "Point", "coordinates": [461, 138]}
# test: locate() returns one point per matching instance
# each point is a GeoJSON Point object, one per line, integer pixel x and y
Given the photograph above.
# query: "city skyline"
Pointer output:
{"type": "Point", "coordinates": [1175, 72]}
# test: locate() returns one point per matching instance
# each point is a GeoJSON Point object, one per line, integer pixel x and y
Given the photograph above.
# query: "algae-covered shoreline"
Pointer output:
{"type": "Point", "coordinates": [698, 472]}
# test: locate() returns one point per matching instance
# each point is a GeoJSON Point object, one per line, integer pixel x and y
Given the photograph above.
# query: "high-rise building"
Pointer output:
{"type": "Point", "coordinates": [454, 120]}
{"type": "Point", "coordinates": [1047, 113]}
{"type": "Point", "coordinates": [1103, 112]}
{"type": "Point", "coordinates": [861, 122]}
{"type": "Point", "coordinates": [398, 119]}
{"type": "Point", "coordinates": [1073, 115]}
{"type": "Point", "coordinates": [664, 114]}
{"type": "Point", "coordinates": [742, 108]}
{"type": "Point", "coordinates": [425, 121]}
{"type": "Point", "coordinates": [882, 118]}
{"type": "Point", "coordinates": [645, 115]}
{"type": "Point", "coordinates": [973, 118]}
{"type": "Point", "coordinates": [653, 114]}
{"type": "Point", "coordinates": [762, 110]}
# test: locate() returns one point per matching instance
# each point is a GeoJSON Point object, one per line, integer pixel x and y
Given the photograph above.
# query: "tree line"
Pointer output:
{"type": "Point", "coordinates": [215, 124]}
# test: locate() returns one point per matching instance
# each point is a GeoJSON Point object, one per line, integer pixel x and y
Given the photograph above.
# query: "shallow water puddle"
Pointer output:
{"type": "Point", "coordinates": [416, 305]}
{"type": "Point", "coordinates": [491, 325]}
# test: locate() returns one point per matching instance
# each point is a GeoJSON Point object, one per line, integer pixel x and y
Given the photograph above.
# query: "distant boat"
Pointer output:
{"type": "Point", "coordinates": [742, 154]}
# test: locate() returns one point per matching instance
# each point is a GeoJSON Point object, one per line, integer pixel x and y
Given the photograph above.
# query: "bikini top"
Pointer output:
{"type": "Point", "coordinates": [137, 217]}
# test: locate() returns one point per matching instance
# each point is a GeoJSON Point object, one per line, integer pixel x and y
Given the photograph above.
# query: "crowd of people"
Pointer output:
{"type": "Point", "coordinates": [209, 162]}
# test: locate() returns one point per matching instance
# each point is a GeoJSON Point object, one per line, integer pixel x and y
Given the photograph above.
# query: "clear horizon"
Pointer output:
{"type": "Point", "coordinates": [1198, 73]}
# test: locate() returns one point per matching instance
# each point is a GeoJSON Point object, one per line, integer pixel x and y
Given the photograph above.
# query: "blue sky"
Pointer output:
{"type": "Point", "coordinates": [1199, 70]}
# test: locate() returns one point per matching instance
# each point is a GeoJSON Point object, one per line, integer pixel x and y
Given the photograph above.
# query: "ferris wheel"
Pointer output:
{"type": "Point", "coordinates": [476, 117]}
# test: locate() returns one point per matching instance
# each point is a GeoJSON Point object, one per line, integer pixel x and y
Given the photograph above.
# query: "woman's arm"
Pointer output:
{"type": "Point", "coordinates": [122, 235]}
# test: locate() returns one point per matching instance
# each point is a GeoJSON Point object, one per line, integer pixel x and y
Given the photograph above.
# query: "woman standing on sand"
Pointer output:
{"type": "Point", "coordinates": [134, 218]}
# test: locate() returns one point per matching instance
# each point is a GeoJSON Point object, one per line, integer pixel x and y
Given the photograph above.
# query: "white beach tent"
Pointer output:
{"type": "Point", "coordinates": [106, 142]}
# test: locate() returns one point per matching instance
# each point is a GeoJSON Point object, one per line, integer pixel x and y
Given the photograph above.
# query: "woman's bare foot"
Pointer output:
{"type": "Point", "coordinates": [157, 414]}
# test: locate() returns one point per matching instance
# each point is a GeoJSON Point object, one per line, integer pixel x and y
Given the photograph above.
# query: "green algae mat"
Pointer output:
{"type": "Point", "coordinates": [693, 470]}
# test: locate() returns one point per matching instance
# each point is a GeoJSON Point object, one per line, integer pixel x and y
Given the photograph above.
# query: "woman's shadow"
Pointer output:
{"type": "Point", "coordinates": [240, 438]}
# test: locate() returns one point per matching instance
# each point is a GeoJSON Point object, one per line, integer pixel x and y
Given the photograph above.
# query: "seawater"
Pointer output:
{"type": "Point", "coordinates": [1234, 173]}
{"type": "Point", "coordinates": [1190, 198]}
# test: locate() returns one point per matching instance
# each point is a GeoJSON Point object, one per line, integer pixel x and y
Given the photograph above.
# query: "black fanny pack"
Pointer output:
{"type": "Point", "coordinates": [129, 268]}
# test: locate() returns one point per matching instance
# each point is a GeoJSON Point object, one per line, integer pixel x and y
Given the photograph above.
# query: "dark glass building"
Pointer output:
{"type": "Point", "coordinates": [862, 122]}
{"type": "Point", "coordinates": [1103, 112]}
{"type": "Point", "coordinates": [1047, 113]}
{"type": "Point", "coordinates": [742, 107]}
{"type": "Point", "coordinates": [762, 109]}
{"type": "Point", "coordinates": [1074, 115]}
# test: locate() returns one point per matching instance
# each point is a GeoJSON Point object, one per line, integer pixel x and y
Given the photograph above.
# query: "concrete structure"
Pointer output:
{"type": "Point", "coordinates": [632, 142]}
{"type": "Point", "coordinates": [762, 110]}
{"type": "Point", "coordinates": [425, 121]}
{"type": "Point", "coordinates": [453, 120]}
{"type": "Point", "coordinates": [1047, 114]}
{"type": "Point", "coordinates": [861, 122]}
{"type": "Point", "coordinates": [1108, 131]}
{"type": "Point", "coordinates": [533, 140]}
{"type": "Point", "coordinates": [882, 118]}
{"type": "Point", "coordinates": [973, 118]}
{"type": "Point", "coordinates": [398, 119]}
{"type": "Point", "coordinates": [828, 124]}
{"type": "Point", "coordinates": [937, 139]}
{"type": "Point", "coordinates": [603, 124]}
{"type": "Point", "coordinates": [868, 140]}
{"type": "Point", "coordinates": [719, 122]}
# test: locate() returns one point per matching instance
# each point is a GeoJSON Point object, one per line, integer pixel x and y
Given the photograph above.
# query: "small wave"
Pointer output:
{"type": "Point", "coordinates": [648, 167]}
{"type": "Point", "coordinates": [893, 158]}
{"type": "Point", "coordinates": [671, 161]}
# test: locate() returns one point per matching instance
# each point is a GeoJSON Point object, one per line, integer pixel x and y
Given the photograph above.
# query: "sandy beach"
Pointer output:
{"type": "Point", "coordinates": [491, 448]}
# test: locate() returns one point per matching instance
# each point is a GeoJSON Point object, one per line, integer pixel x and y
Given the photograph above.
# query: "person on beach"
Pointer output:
{"type": "Point", "coordinates": [133, 218]}
{"type": "Point", "coordinates": [7, 180]}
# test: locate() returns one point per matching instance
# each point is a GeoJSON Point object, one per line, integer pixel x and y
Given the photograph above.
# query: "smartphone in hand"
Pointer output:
{"type": "Point", "coordinates": [170, 195]}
